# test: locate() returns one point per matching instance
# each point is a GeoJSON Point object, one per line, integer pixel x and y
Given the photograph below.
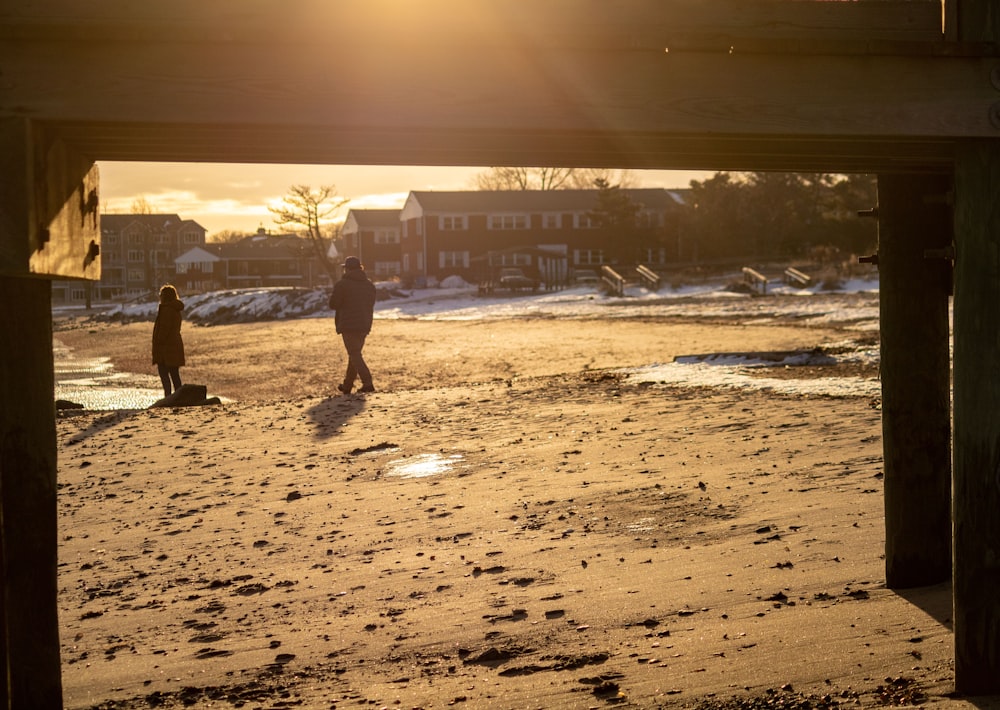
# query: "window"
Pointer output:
{"type": "Point", "coordinates": [551, 220]}
{"type": "Point", "coordinates": [387, 268]}
{"type": "Point", "coordinates": [508, 221]}
{"type": "Point", "coordinates": [654, 256]}
{"type": "Point", "coordinates": [452, 222]}
{"type": "Point", "coordinates": [192, 237]}
{"type": "Point", "coordinates": [387, 236]}
{"type": "Point", "coordinates": [453, 259]}
{"type": "Point", "coordinates": [136, 256]}
{"type": "Point", "coordinates": [591, 257]}
{"type": "Point", "coordinates": [582, 220]}
{"type": "Point", "coordinates": [510, 260]}
{"type": "Point", "coordinates": [112, 240]}
{"type": "Point", "coordinates": [136, 275]}
{"type": "Point", "coordinates": [77, 294]}
{"type": "Point", "coordinates": [135, 240]}
{"type": "Point", "coordinates": [648, 219]}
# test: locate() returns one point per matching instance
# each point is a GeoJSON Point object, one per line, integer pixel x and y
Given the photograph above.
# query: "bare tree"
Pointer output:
{"type": "Point", "coordinates": [140, 205]}
{"type": "Point", "coordinates": [227, 236]}
{"type": "Point", "coordinates": [592, 178]}
{"type": "Point", "coordinates": [504, 178]}
{"type": "Point", "coordinates": [312, 210]}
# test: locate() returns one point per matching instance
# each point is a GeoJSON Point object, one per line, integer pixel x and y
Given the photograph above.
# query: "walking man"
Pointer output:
{"type": "Point", "coordinates": [353, 299]}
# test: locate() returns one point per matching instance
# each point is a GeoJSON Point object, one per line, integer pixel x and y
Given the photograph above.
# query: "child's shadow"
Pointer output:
{"type": "Point", "coordinates": [330, 414]}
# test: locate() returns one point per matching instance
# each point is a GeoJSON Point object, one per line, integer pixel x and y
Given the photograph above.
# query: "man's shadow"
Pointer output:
{"type": "Point", "coordinates": [331, 413]}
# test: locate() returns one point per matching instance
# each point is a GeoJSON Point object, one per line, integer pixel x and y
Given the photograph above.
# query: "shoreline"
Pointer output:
{"type": "Point", "coordinates": [266, 361]}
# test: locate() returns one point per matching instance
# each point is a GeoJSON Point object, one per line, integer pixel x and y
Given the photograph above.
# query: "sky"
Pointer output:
{"type": "Point", "coordinates": [235, 197]}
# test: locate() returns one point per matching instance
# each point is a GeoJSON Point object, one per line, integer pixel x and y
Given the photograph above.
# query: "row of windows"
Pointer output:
{"type": "Point", "coordinates": [387, 269]}
{"type": "Point", "coordinates": [460, 259]}
{"type": "Point", "coordinates": [382, 236]}
{"type": "Point", "coordinates": [550, 220]}
{"type": "Point", "coordinates": [204, 267]}
{"type": "Point", "coordinates": [141, 239]}
{"type": "Point", "coordinates": [242, 267]}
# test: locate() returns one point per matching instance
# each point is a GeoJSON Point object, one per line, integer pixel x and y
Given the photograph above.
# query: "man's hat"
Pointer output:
{"type": "Point", "coordinates": [352, 262]}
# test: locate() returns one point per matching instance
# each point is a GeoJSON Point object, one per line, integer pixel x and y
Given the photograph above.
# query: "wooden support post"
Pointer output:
{"type": "Point", "coordinates": [28, 538]}
{"type": "Point", "coordinates": [977, 419]}
{"type": "Point", "coordinates": [916, 417]}
{"type": "Point", "coordinates": [30, 676]}
{"type": "Point", "coordinates": [48, 227]}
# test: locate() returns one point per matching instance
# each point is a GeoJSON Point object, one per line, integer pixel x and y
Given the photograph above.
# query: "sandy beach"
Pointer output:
{"type": "Point", "coordinates": [509, 522]}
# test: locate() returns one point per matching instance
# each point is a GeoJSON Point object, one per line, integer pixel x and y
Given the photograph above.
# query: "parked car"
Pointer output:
{"type": "Point", "coordinates": [514, 279]}
{"type": "Point", "coordinates": [586, 276]}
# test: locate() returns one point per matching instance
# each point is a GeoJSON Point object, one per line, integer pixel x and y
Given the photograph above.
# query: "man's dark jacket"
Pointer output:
{"type": "Point", "coordinates": [353, 299]}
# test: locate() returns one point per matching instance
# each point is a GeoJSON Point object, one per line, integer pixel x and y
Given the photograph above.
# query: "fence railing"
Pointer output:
{"type": "Point", "coordinates": [794, 276]}
{"type": "Point", "coordinates": [649, 278]}
{"type": "Point", "coordinates": [755, 279]}
{"type": "Point", "coordinates": [613, 280]}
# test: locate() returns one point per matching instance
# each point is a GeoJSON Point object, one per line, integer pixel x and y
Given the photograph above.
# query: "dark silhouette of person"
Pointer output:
{"type": "Point", "coordinates": [168, 347]}
{"type": "Point", "coordinates": [353, 299]}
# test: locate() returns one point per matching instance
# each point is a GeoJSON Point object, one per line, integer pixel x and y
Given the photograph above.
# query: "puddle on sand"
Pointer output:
{"type": "Point", "coordinates": [93, 383]}
{"type": "Point", "coordinates": [421, 466]}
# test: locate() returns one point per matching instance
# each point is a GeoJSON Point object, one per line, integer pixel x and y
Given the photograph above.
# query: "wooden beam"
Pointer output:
{"type": "Point", "coordinates": [29, 628]}
{"type": "Point", "coordinates": [977, 401]}
{"type": "Point", "coordinates": [49, 217]}
{"type": "Point", "coordinates": [644, 83]}
{"type": "Point", "coordinates": [427, 146]}
{"type": "Point", "coordinates": [543, 22]}
{"type": "Point", "coordinates": [719, 92]}
{"type": "Point", "coordinates": [976, 485]}
{"type": "Point", "coordinates": [914, 286]}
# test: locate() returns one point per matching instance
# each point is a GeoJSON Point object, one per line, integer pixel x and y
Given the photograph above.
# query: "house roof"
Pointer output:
{"type": "Point", "coordinates": [485, 201]}
{"type": "Point", "coordinates": [263, 246]}
{"type": "Point", "coordinates": [362, 219]}
{"type": "Point", "coordinates": [152, 222]}
{"type": "Point", "coordinates": [199, 255]}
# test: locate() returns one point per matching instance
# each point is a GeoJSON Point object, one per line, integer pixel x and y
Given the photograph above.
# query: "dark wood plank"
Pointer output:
{"type": "Point", "coordinates": [977, 402]}
{"type": "Point", "coordinates": [643, 83]}
{"type": "Point", "coordinates": [424, 146]}
{"type": "Point", "coordinates": [976, 575]}
{"type": "Point", "coordinates": [49, 221]}
{"type": "Point", "coordinates": [683, 92]}
{"type": "Point", "coordinates": [476, 22]}
{"type": "Point", "coordinates": [914, 217]}
{"type": "Point", "coordinates": [29, 626]}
